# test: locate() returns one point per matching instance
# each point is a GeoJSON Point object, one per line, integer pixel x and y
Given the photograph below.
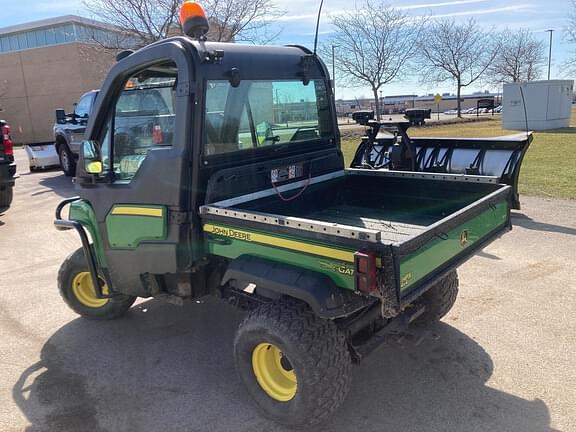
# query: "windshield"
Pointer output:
{"type": "Point", "coordinates": [265, 113]}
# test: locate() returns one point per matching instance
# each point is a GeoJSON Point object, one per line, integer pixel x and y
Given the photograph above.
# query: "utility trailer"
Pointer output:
{"type": "Point", "coordinates": [237, 188]}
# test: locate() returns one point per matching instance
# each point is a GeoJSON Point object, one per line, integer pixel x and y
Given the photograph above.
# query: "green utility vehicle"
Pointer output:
{"type": "Point", "coordinates": [237, 188]}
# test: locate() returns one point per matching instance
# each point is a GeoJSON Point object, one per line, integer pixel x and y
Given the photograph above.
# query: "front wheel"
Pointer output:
{"type": "Point", "coordinates": [67, 162]}
{"type": "Point", "coordinates": [295, 365]}
{"type": "Point", "coordinates": [6, 196]}
{"type": "Point", "coordinates": [77, 290]}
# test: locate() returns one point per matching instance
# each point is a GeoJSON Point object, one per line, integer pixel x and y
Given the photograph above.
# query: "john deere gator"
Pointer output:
{"type": "Point", "coordinates": [216, 169]}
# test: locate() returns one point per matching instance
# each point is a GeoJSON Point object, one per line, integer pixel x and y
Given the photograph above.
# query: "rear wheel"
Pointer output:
{"type": "Point", "coordinates": [77, 290]}
{"type": "Point", "coordinates": [6, 196]}
{"type": "Point", "coordinates": [439, 299]}
{"type": "Point", "coordinates": [295, 365]}
{"type": "Point", "coordinates": [67, 162]}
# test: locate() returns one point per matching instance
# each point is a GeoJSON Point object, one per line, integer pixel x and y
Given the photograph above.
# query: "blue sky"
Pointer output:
{"type": "Point", "coordinates": [299, 21]}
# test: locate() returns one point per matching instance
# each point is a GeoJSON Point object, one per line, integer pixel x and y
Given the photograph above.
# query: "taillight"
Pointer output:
{"type": "Point", "coordinates": [157, 137]}
{"type": "Point", "coordinates": [7, 141]}
{"type": "Point", "coordinates": [366, 272]}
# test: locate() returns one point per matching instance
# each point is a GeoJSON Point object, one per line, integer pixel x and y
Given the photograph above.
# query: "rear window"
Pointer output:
{"type": "Point", "coordinates": [150, 101]}
{"type": "Point", "coordinates": [259, 114]}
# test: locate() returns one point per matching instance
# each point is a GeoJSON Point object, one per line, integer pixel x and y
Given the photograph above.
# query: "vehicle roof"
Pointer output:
{"type": "Point", "coordinates": [88, 93]}
{"type": "Point", "coordinates": [255, 61]}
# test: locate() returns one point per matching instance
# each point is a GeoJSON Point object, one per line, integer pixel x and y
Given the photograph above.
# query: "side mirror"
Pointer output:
{"type": "Point", "coordinates": [60, 116]}
{"type": "Point", "coordinates": [89, 162]}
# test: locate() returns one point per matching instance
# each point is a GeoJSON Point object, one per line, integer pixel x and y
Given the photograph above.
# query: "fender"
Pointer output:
{"type": "Point", "coordinates": [60, 139]}
{"type": "Point", "coordinates": [274, 279]}
{"type": "Point", "coordinates": [81, 211]}
{"type": "Point", "coordinates": [85, 212]}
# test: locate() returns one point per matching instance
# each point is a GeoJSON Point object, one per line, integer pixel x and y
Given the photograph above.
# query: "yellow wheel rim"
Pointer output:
{"type": "Point", "coordinates": [83, 290]}
{"type": "Point", "coordinates": [274, 372]}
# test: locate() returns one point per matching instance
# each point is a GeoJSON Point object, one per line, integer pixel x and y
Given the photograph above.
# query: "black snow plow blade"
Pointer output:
{"type": "Point", "coordinates": [498, 158]}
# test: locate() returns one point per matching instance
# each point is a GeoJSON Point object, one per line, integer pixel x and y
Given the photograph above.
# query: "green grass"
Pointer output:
{"type": "Point", "coordinates": [549, 167]}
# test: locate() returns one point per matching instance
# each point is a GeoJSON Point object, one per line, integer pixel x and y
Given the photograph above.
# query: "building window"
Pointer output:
{"type": "Point", "coordinates": [31, 40]}
{"type": "Point", "coordinates": [22, 44]}
{"type": "Point", "coordinates": [50, 36]}
{"type": "Point", "coordinates": [41, 37]}
{"type": "Point", "coordinates": [60, 36]}
{"type": "Point", "coordinates": [57, 34]}
{"type": "Point", "coordinates": [14, 43]}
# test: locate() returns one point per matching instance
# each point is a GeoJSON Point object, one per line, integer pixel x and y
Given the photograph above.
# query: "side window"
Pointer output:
{"type": "Point", "coordinates": [143, 119]}
{"type": "Point", "coordinates": [83, 107]}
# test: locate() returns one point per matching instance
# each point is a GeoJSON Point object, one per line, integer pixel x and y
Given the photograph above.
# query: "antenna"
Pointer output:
{"type": "Point", "coordinates": [317, 26]}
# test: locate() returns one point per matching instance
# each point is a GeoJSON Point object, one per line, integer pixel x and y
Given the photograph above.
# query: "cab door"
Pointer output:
{"type": "Point", "coordinates": [140, 120]}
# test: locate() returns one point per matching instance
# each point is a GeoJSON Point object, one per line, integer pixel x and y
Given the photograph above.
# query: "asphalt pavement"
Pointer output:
{"type": "Point", "coordinates": [504, 359]}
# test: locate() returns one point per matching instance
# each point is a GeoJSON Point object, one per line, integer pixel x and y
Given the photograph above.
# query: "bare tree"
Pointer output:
{"type": "Point", "coordinates": [141, 21]}
{"type": "Point", "coordinates": [242, 20]}
{"type": "Point", "coordinates": [570, 35]}
{"type": "Point", "coordinates": [519, 58]}
{"type": "Point", "coordinates": [375, 42]}
{"type": "Point", "coordinates": [461, 53]}
{"type": "Point", "coordinates": [145, 21]}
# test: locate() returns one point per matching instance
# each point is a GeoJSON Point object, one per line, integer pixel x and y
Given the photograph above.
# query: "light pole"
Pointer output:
{"type": "Point", "coordinates": [334, 71]}
{"type": "Point", "coordinates": [550, 53]}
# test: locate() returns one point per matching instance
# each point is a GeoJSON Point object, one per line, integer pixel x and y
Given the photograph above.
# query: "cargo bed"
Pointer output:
{"type": "Point", "coordinates": [420, 224]}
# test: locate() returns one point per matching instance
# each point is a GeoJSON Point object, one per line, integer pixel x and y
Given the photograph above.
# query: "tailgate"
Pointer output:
{"type": "Point", "coordinates": [426, 257]}
{"type": "Point", "coordinates": [498, 157]}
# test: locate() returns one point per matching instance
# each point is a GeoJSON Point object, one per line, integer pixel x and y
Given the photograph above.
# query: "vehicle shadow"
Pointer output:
{"type": "Point", "coordinates": [164, 368]}
{"type": "Point", "coordinates": [524, 221]}
{"type": "Point", "coordinates": [59, 184]}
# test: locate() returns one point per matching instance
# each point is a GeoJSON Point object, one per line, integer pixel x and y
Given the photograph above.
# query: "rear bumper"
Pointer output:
{"type": "Point", "coordinates": [7, 174]}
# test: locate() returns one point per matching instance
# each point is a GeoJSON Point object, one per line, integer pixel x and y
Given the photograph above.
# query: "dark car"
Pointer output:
{"type": "Point", "coordinates": [69, 131]}
{"type": "Point", "coordinates": [7, 167]}
{"type": "Point", "coordinates": [144, 119]}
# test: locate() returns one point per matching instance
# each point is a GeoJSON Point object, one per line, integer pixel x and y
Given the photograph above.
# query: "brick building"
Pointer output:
{"type": "Point", "coordinates": [45, 65]}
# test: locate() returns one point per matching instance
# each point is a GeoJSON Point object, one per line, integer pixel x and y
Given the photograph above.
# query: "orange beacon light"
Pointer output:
{"type": "Point", "coordinates": [193, 20]}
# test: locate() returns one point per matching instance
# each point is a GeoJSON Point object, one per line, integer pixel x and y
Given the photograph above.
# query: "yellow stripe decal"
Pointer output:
{"type": "Point", "coordinates": [250, 236]}
{"type": "Point", "coordinates": [138, 211]}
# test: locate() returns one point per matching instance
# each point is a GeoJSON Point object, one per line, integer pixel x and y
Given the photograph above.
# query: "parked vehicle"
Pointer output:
{"type": "Point", "coordinates": [417, 116]}
{"type": "Point", "coordinates": [69, 131]}
{"type": "Point", "coordinates": [42, 156]}
{"type": "Point", "coordinates": [7, 167]}
{"type": "Point", "coordinates": [241, 193]}
{"type": "Point", "coordinates": [362, 117]}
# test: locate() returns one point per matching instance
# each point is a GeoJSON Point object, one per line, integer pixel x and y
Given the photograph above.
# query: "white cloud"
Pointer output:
{"type": "Point", "coordinates": [442, 4]}
{"type": "Point", "coordinates": [296, 17]}
{"type": "Point", "coordinates": [514, 8]}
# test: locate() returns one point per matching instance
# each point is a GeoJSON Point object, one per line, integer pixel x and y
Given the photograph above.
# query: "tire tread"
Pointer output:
{"type": "Point", "coordinates": [326, 348]}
